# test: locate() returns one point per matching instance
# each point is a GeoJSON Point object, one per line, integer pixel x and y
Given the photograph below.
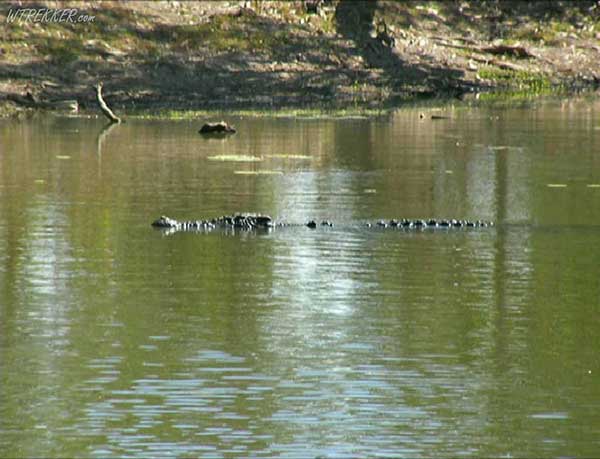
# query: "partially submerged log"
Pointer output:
{"type": "Point", "coordinates": [434, 117]}
{"type": "Point", "coordinates": [217, 128]}
{"type": "Point", "coordinates": [105, 109]}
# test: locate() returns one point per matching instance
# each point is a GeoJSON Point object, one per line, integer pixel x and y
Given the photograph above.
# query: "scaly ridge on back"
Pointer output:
{"type": "Point", "coordinates": [256, 221]}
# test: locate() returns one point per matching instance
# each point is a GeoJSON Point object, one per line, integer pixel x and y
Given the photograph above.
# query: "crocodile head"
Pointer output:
{"type": "Point", "coordinates": [165, 222]}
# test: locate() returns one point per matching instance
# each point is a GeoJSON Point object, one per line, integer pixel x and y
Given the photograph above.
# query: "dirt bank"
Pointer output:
{"type": "Point", "coordinates": [213, 55]}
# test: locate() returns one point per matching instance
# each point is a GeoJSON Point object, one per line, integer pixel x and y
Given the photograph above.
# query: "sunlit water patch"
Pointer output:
{"type": "Point", "coordinates": [117, 340]}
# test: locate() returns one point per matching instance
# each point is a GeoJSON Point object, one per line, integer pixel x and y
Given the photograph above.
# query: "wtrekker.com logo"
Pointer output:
{"type": "Point", "coordinates": [47, 15]}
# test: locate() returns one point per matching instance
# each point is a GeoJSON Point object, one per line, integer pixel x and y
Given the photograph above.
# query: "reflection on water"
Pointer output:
{"type": "Point", "coordinates": [116, 340]}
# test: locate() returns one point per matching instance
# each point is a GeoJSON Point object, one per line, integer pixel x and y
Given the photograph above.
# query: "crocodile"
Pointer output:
{"type": "Point", "coordinates": [247, 221]}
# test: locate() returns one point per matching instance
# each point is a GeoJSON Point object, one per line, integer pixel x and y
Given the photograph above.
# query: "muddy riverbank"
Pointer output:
{"type": "Point", "coordinates": [186, 56]}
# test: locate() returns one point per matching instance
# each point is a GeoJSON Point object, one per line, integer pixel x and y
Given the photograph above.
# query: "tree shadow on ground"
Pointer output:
{"type": "Point", "coordinates": [355, 20]}
{"type": "Point", "coordinates": [495, 18]}
{"type": "Point", "coordinates": [239, 58]}
{"type": "Point", "coordinates": [226, 60]}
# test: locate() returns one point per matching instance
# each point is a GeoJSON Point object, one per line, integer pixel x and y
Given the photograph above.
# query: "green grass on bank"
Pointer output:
{"type": "Point", "coordinates": [502, 98]}
{"type": "Point", "coordinates": [518, 80]}
{"type": "Point", "coordinates": [505, 98]}
{"type": "Point", "coordinates": [317, 113]}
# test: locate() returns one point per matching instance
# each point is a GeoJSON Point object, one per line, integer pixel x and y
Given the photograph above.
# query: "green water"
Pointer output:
{"type": "Point", "coordinates": [117, 340]}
